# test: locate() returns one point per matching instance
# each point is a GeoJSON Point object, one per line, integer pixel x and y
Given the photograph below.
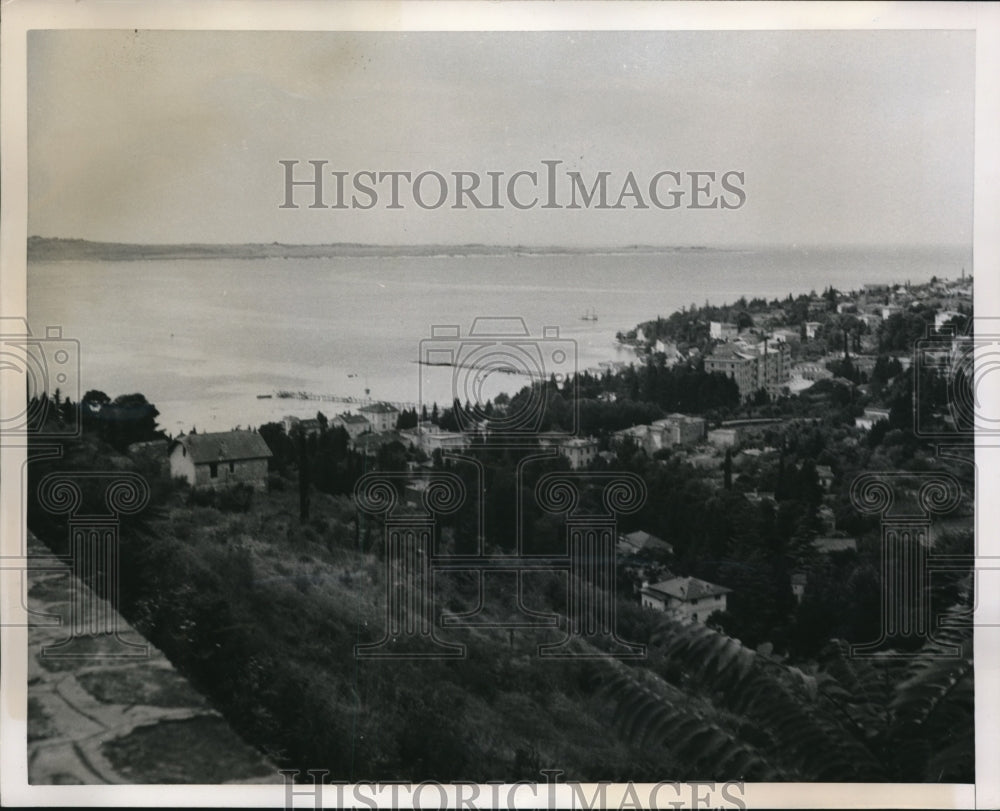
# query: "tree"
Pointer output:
{"type": "Point", "coordinates": [129, 418]}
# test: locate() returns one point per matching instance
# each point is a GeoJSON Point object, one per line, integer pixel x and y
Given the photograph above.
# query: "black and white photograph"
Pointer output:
{"type": "Point", "coordinates": [431, 414]}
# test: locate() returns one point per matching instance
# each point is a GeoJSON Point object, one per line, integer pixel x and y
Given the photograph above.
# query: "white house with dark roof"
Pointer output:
{"type": "Point", "coordinates": [687, 599]}
{"type": "Point", "coordinates": [382, 416]}
{"type": "Point", "coordinates": [221, 459]}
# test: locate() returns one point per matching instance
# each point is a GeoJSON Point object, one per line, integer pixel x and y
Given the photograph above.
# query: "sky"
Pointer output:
{"type": "Point", "coordinates": [843, 137]}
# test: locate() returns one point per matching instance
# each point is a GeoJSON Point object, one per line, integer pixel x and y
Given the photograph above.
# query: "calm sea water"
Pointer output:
{"type": "Point", "coordinates": [201, 339]}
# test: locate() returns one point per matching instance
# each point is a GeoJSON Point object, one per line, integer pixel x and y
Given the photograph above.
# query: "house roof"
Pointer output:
{"type": "Point", "coordinates": [686, 589]}
{"type": "Point", "coordinates": [355, 419]}
{"type": "Point", "coordinates": [643, 540]}
{"type": "Point", "coordinates": [224, 447]}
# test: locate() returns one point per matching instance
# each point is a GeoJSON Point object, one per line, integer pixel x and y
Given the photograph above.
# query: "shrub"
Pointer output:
{"type": "Point", "coordinates": [237, 498]}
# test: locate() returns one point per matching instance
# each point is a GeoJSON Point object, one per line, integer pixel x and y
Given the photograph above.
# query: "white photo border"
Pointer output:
{"type": "Point", "coordinates": [20, 16]}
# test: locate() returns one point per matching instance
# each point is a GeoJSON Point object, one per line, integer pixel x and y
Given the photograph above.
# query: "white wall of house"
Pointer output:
{"type": "Point", "coordinates": [181, 464]}
{"type": "Point", "coordinates": [381, 421]}
{"type": "Point", "coordinates": [686, 610]}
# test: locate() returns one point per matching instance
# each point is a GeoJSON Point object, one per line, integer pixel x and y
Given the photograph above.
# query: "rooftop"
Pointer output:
{"type": "Point", "coordinates": [643, 540]}
{"type": "Point", "coordinates": [355, 419]}
{"type": "Point", "coordinates": [687, 589]}
{"type": "Point", "coordinates": [225, 446]}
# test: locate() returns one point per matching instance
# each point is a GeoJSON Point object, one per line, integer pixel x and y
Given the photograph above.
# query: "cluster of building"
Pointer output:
{"type": "Point", "coordinates": [674, 429]}
{"type": "Point", "coordinates": [759, 356]}
{"type": "Point", "coordinates": [374, 426]}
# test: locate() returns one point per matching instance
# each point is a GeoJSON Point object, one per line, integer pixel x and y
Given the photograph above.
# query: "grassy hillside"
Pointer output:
{"type": "Point", "coordinates": [262, 613]}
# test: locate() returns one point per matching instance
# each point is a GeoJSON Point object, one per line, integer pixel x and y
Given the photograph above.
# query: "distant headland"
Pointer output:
{"type": "Point", "coordinates": [53, 249]}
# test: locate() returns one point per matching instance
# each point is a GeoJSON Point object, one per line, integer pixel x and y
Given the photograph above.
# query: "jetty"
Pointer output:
{"type": "Point", "coordinates": [399, 405]}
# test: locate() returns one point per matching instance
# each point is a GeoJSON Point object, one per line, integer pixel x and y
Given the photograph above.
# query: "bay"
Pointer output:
{"type": "Point", "coordinates": [203, 338]}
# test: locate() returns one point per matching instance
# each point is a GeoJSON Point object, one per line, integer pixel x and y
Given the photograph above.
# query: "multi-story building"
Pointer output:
{"type": "Point", "coordinates": [739, 364]}
{"type": "Point", "coordinates": [762, 366]}
{"type": "Point", "coordinates": [382, 416]}
{"type": "Point", "coordinates": [579, 451]}
{"type": "Point", "coordinates": [680, 429]}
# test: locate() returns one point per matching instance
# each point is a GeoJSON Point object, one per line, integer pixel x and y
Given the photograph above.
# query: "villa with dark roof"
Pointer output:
{"type": "Point", "coordinates": [685, 598]}
{"type": "Point", "coordinates": [218, 460]}
{"type": "Point", "coordinates": [382, 416]}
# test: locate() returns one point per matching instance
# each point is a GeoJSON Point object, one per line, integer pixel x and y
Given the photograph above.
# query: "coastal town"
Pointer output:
{"type": "Point", "coordinates": [746, 428]}
{"type": "Point", "coordinates": [849, 347]}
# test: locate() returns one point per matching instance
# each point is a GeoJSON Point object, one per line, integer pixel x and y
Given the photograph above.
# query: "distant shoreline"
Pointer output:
{"type": "Point", "coordinates": [50, 249]}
